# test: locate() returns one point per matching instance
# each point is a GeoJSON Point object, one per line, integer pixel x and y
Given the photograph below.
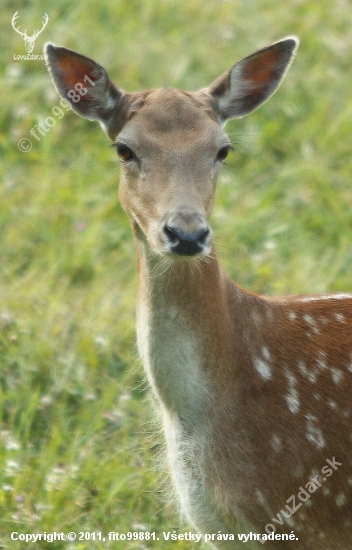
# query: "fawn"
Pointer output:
{"type": "Point", "coordinates": [255, 392]}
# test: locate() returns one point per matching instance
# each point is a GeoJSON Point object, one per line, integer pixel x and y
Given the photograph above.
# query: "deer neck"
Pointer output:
{"type": "Point", "coordinates": [181, 305]}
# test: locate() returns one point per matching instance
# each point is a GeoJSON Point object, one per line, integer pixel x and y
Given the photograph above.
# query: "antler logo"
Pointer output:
{"type": "Point", "coordinates": [29, 40]}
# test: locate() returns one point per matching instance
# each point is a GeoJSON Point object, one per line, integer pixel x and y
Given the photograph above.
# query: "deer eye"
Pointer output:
{"type": "Point", "coordinates": [223, 152]}
{"type": "Point", "coordinates": [125, 153]}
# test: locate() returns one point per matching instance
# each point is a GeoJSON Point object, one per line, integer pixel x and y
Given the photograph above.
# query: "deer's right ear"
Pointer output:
{"type": "Point", "coordinates": [85, 84]}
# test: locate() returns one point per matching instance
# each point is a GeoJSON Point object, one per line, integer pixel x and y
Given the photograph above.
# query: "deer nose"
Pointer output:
{"type": "Point", "coordinates": [186, 233]}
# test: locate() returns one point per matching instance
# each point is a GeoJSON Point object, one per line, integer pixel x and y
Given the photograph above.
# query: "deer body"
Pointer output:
{"type": "Point", "coordinates": [255, 392]}
{"type": "Point", "coordinates": [250, 422]}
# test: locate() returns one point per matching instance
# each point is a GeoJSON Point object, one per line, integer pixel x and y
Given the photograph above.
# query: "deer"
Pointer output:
{"type": "Point", "coordinates": [254, 392]}
{"type": "Point", "coordinates": [28, 40]}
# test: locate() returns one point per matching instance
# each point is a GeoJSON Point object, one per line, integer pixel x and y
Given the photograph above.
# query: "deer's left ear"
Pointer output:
{"type": "Point", "coordinates": [252, 81]}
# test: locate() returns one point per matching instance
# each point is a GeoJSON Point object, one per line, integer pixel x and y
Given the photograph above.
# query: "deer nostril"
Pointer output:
{"type": "Point", "coordinates": [172, 234]}
{"type": "Point", "coordinates": [203, 235]}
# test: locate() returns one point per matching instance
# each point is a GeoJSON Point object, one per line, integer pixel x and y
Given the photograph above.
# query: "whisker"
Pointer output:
{"type": "Point", "coordinates": [222, 246]}
{"type": "Point", "coordinates": [162, 265]}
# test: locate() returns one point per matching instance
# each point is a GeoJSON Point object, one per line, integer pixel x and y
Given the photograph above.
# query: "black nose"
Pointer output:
{"type": "Point", "coordinates": [186, 243]}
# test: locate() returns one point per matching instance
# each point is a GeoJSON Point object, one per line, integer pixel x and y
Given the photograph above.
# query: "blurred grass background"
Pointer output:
{"type": "Point", "coordinates": [77, 452]}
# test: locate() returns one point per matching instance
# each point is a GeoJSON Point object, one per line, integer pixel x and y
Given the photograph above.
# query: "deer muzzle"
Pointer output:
{"type": "Point", "coordinates": [186, 232]}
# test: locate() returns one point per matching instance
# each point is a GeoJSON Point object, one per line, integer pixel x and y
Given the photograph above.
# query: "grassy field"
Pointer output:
{"type": "Point", "coordinates": [78, 450]}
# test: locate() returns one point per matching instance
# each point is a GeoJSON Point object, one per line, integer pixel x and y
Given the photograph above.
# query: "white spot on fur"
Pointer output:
{"type": "Point", "coordinates": [341, 499]}
{"type": "Point", "coordinates": [290, 522]}
{"type": "Point", "coordinates": [332, 404]}
{"type": "Point", "coordinates": [276, 443]}
{"type": "Point", "coordinates": [298, 472]}
{"type": "Point", "coordinates": [337, 375]}
{"type": "Point", "coordinates": [292, 396]}
{"type": "Point", "coordinates": [263, 364]}
{"type": "Point", "coordinates": [257, 319]}
{"type": "Point", "coordinates": [260, 497]}
{"type": "Point", "coordinates": [172, 313]}
{"type": "Point", "coordinates": [326, 491]}
{"type": "Point", "coordinates": [339, 317]}
{"type": "Point", "coordinates": [321, 361]}
{"type": "Point", "coordinates": [310, 375]}
{"type": "Point", "coordinates": [314, 433]}
{"type": "Point", "coordinates": [292, 315]}
{"type": "Point", "coordinates": [312, 323]}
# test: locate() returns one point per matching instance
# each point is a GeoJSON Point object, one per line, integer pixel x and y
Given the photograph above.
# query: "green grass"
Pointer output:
{"type": "Point", "coordinates": [77, 452]}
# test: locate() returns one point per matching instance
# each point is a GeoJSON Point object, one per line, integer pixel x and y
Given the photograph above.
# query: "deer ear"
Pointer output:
{"type": "Point", "coordinates": [252, 81]}
{"type": "Point", "coordinates": [84, 83]}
